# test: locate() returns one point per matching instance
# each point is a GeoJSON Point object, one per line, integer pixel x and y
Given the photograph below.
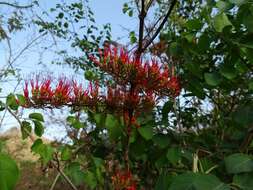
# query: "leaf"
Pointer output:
{"type": "Point", "coordinates": [223, 6]}
{"type": "Point", "coordinates": [244, 181]}
{"type": "Point", "coordinates": [146, 132]}
{"type": "Point", "coordinates": [247, 20]}
{"type": "Point", "coordinates": [39, 128]}
{"type": "Point", "coordinates": [212, 79]}
{"type": "Point", "coordinates": [36, 116]}
{"type": "Point", "coordinates": [243, 115]}
{"type": "Point", "coordinates": [220, 21]}
{"type": "Point", "coordinates": [21, 99]}
{"type": "Point", "coordinates": [36, 146]}
{"type": "Point", "coordinates": [90, 179]}
{"type": "Point", "coordinates": [194, 24]}
{"type": "Point", "coordinates": [173, 155]}
{"type": "Point", "coordinates": [74, 122]}
{"type": "Point", "coordinates": [130, 13]}
{"type": "Point", "coordinates": [61, 15]}
{"type": "Point", "coordinates": [163, 182]}
{"type": "Point", "coordinates": [66, 153]}
{"type": "Point", "coordinates": [75, 173]}
{"type": "Point", "coordinates": [45, 151]}
{"type": "Point", "coordinates": [26, 129]}
{"type": "Point", "coordinates": [197, 181]}
{"type": "Point", "coordinates": [12, 102]}
{"type": "Point", "coordinates": [113, 127]}
{"type": "Point", "coordinates": [9, 173]}
{"type": "Point", "coordinates": [238, 2]}
{"type": "Point", "coordinates": [228, 71]}
{"type": "Point", "coordinates": [161, 140]}
{"type": "Point", "coordinates": [238, 163]}
{"type": "Point", "coordinates": [132, 36]}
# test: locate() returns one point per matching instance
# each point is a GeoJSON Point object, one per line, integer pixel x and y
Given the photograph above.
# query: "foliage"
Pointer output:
{"type": "Point", "coordinates": [137, 133]}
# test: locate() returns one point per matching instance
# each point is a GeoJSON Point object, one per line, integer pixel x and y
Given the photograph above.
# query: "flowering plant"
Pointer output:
{"type": "Point", "coordinates": [138, 87]}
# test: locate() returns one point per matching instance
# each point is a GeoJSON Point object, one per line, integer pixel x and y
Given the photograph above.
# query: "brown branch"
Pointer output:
{"type": "Point", "coordinates": [16, 6]}
{"type": "Point", "coordinates": [173, 3]}
{"type": "Point", "coordinates": [142, 16]}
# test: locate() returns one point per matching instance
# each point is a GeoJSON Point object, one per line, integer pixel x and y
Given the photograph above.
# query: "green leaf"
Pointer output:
{"type": "Point", "coordinates": [21, 99]}
{"type": "Point", "coordinates": [146, 132]}
{"type": "Point", "coordinates": [251, 85]}
{"type": "Point", "coordinates": [75, 173]}
{"type": "Point", "coordinates": [113, 127]}
{"type": "Point", "coordinates": [161, 140]}
{"type": "Point", "coordinates": [243, 115]}
{"type": "Point", "coordinates": [174, 155]}
{"type": "Point", "coordinates": [175, 49]}
{"type": "Point", "coordinates": [61, 15]}
{"type": "Point", "coordinates": [12, 102]}
{"type": "Point", "coordinates": [74, 122]}
{"type": "Point", "coordinates": [212, 79]}
{"type": "Point", "coordinates": [228, 71]}
{"type": "Point", "coordinates": [90, 179]}
{"type": "Point", "coordinates": [66, 153]}
{"type": "Point", "coordinates": [125, 8]}
{"type": "Point", "coordinates": [89, 75]}
{"type": "Point", "coordinates": [163, 182]}
{"type": "Point", "coordinates": [247, 20]}
{"type": "Point", "coordinates": [244, 181]}
{"type": "Point", "coordinates": [133, 38]}
{"type": "Point", "coordinates": [36, 116]}
{"type": "Point", "coordinates": [36, 146]}
{"type": "Point", "coordinates": [44, 150]}
{"type": "Point", "coordinates": [238, 163]}
{"type": "Point", "coordinates": [9, 173]}
{"type": "Point", "coordinates": [130, 13]}
{"type": "Point", "coordinates": [238, 2]}
{"type": "Point", "coordinates": [26, 129]}
{"type": "Point", "coordinates": [223, 6]}
{"type": "Point", "coordinates": [220, 21]}
{"type": "Point", "coordinates": [39, 128]}
{"type": "Point", "coordinates": [194, 24]}
{"type": "Point", "coordinates": [197, 181]}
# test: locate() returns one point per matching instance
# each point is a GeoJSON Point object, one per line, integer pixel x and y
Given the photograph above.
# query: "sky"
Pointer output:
{"type": "Point", "coordinates": [105, 11]}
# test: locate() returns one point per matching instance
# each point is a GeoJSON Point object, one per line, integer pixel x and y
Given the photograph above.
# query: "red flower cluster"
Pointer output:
{"type": "Point", "coordinates": [123, 180]}
{"type": "Point", "coordinates": [65, 92]}
{"type": "Point", "coordinates": [138, 86]}
{"type": "Point", "coordinates": [143, 76]}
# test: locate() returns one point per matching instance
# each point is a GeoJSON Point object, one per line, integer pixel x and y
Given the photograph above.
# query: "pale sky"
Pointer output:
{"type": "Point", "coordinates": [106, 11]}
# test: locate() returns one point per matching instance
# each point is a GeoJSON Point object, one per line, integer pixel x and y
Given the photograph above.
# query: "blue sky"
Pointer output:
{"type": "Point", "coordinates": [106, 11]}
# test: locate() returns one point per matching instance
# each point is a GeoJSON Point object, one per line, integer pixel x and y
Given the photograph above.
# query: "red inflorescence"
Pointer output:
{"type": "Point", "coordinates": [145, 76]}
{"type": "Point", "coordinates": [138, 86]}
{"type": "Point", "coordinates": [65, 92]}
{"type": "Point", "coordinates": [123, 180]}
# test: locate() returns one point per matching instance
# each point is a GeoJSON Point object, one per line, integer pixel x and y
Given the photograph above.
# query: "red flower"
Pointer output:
{"type": "Point", "coordinates": [26, 91]}
{"type": "Point", "coordinates": [127, 70]}
{"type": "Point", "coordinates": [123, 180]}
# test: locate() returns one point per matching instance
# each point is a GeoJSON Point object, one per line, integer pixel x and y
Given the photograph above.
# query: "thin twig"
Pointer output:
{"type": "Point", "coordinates": [15, 5]}
{"type": "Point", "coordinates": [173, 3]}
{"type": "Point", "coordinates": [55, 181]}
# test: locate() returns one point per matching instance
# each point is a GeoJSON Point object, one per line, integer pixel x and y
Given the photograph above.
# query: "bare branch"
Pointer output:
{"type": "Point", "coordinates": [15, 5]}
{"type": "Point", "coordinates": [142, 16]}
{"type": "Point", "coordinates": [173, 3]}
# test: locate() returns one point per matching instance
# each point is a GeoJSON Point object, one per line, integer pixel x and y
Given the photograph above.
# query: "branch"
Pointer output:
{"type": "Point", "coordinates": [16, 6]}
{"type": "Point", "coordinates": [142, 16]}
{"type": "Point", "coordinates": [33, 140]}
{"type": "Point", "coordinates": [173, 3]}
